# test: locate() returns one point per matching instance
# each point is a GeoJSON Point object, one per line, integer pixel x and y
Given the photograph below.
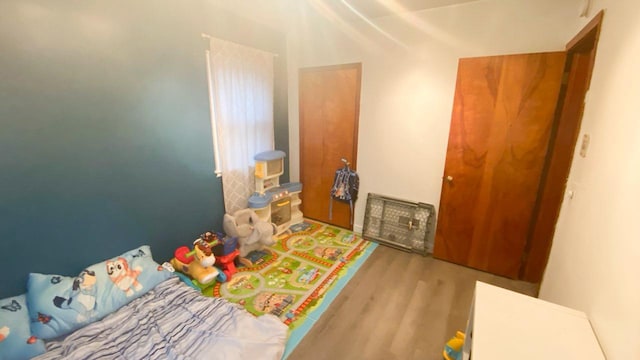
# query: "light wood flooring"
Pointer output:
{"type": "Point", "coordinates": [398, 306]}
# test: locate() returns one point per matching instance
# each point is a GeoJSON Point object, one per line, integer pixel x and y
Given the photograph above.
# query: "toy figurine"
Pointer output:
{"type": "Point", "coordinates": [453, 347]}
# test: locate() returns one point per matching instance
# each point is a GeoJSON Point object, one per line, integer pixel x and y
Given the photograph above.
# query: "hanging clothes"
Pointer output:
{"type": "Point", "coordinates": [344, 189]}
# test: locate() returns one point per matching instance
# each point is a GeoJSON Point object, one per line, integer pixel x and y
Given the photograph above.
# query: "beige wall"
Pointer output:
{"type": "Point", "coordinates": [407, 93]}
{"type": "Point", "coordinates": [408, 80]}
{"type": "Point", "coordinates": [595, 259]}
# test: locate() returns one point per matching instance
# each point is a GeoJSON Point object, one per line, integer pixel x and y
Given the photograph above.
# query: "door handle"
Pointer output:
{"type": "Point", "coordinates": [449, 178]}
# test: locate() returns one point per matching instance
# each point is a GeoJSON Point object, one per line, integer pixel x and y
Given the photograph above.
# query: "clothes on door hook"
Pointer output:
{"type": "Point", "coordinates": [345, 189]}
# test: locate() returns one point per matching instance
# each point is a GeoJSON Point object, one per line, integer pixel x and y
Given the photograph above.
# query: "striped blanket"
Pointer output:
{"type": "Point", "coordinates": [173, 321]}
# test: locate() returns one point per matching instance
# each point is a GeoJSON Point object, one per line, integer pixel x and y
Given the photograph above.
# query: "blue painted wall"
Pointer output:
{"type": "Point", "coordinates": [105, 140]}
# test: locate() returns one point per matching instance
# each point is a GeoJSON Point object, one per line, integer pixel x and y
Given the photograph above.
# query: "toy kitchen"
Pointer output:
{"type": "Point", "coordinates": [274, 202]}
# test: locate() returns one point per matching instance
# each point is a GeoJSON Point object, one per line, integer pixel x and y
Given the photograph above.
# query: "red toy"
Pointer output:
{"type": "Point", "coordinates": [226, 252]}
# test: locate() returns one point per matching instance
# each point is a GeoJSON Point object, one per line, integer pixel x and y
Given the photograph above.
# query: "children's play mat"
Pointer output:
{"type": "Point", "coordinates": [298, 277]}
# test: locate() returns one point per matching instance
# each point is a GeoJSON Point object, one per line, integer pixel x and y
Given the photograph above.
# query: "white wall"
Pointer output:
{"type": "Point", "coordinates": [408, 81]}
{"type": "Point", "coordinates": [595, 258]}
{"type": "Point", "coordinates": [407, 94]}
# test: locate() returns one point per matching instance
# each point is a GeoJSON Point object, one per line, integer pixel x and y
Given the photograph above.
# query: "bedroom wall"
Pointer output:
{"type": "Point", "coordinates": [105, 140]}
{"type": "Point", "coordinates": [595, 258]}
{"type": "Point", "coordinates": [405, 111]}
{"type": "Point", "coordinates": [408, 80]}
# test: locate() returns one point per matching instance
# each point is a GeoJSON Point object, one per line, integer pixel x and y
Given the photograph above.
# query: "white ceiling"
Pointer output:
{"type": "Point", "coordinates": [285, 14]}
{"type": "Point", "coordinates": [378, 8]}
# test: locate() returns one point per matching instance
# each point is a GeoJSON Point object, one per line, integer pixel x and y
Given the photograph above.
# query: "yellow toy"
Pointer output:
{"type": "Point", "coordinates": [198, 263]}
{"type": "Point", "coordinates": [453, 348]}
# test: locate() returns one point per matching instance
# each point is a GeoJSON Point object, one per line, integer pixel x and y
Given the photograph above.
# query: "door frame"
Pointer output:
{"type": "Point", "coordinates": [553, 181]}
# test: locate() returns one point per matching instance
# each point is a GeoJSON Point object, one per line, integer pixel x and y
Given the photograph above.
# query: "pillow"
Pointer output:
{"type": "Point", "coordinates": [16, 341]}
{"type": "Point", "coordinates": [60, 304]}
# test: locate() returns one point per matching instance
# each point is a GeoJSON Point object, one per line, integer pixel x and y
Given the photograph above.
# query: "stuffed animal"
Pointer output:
{"type": "Point", "coordinates": [198, 264]}
{"type": "Point", "coordinates": [252, 233]}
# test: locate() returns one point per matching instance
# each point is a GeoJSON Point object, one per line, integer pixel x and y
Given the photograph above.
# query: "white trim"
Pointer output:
{"type": "Point", "coordinates": [207, 36]}
{"type": "Point", "coordinates": [214, 126]}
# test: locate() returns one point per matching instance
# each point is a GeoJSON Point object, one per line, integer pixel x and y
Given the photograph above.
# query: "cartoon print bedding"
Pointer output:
{"type": "Point", "coordinates": [174, 321]}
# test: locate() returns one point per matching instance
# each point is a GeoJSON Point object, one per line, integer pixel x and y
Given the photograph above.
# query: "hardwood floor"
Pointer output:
{"type": "Point", "coordinates": [398, 306]}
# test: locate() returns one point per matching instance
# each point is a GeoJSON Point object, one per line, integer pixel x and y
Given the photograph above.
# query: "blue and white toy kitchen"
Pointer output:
{"type": "Point", "coordinates": [273, 202]}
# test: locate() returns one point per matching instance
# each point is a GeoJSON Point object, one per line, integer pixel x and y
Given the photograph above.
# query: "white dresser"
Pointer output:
{"type": "Point", "coordinates": [507, 325]}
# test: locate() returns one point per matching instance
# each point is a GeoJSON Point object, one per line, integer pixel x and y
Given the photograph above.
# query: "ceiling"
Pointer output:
{"type": "Point", "coordinates": [284, 14]}
{"type": "Point", "coordinates": [378, 8]}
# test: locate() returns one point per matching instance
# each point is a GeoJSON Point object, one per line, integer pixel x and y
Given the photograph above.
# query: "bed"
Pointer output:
{"type": "Point", "coordinates": [130, 307]}
{"type": "Point", "coordinates": [174, 321]}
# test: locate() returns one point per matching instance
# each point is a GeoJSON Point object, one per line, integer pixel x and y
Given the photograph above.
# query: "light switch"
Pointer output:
{"type": "Point", "coordinates": [585, 145]}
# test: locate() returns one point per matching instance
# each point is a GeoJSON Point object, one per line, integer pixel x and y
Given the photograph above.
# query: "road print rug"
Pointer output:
{"type": "Point", "coordinates": [298, 277]}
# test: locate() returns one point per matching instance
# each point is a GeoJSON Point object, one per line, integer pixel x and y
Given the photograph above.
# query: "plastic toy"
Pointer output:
{"type": "Point", "coordinates": [273, 202]}
{"type": "Point", "coordinates": [453, 347]}
{"type": "Point", "coordinates": [198, 263]}
{"type": "Point", "coordinates": [226, 252]}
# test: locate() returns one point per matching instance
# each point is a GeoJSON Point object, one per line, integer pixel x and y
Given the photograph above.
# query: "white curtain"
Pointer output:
{"type": "Point", "coordinates": [241, 84]}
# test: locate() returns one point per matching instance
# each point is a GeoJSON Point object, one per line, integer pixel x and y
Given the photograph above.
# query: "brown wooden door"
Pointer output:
{"type": "Point", "coordinates": [329, 111]}
{"type": "Point", "coordinates": [500, 126]}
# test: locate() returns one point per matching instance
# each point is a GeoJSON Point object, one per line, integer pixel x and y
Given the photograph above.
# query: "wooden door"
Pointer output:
{"type": "Point", "coordinates": [500, 126]}
{"type": "Point", "coordinates": [329, 109]}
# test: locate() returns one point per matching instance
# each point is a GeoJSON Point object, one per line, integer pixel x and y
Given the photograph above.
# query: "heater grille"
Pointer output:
{"type": "Point", "coordinates": [399, 223]}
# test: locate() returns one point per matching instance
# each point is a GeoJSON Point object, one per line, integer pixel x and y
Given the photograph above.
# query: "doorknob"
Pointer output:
{"type": "Point", "coordinates": [449, 178]}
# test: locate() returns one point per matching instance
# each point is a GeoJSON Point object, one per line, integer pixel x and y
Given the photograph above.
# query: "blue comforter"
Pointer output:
{"type": "Point", "coordinates": [173, 321]}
